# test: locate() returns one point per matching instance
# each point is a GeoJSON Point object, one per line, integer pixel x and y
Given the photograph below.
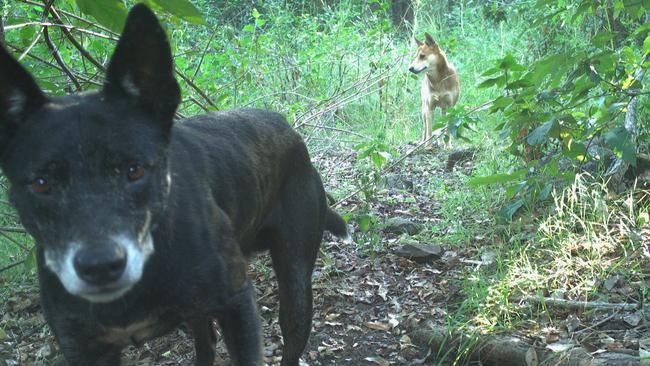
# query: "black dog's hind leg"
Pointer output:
{"type": "Point", "coordinates": [204, 340]}
{"type": "Point", "coordinates": [294, 254]}
{"type": "Point", "coordinates": [240, 325]}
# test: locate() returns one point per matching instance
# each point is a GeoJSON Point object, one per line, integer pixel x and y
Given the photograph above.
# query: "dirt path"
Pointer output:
{"type": "Point", "coordinates": [366, 299]}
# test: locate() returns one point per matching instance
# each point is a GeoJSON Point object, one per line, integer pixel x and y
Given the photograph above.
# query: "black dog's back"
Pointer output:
{"type": "Point", "coordinates": [245, 155]}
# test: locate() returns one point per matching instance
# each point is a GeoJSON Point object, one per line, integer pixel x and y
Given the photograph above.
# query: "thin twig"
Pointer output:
{"type": "Point", "coordinates": [598, 324]}
{"type": "Point", "coordinates": [14, 241]}
{"type": "Point", "coordinates": [75, 43]}
{"type": "Point", "coordinates": [195, 101]}
{"type": "Point", "coordinates": [55, 66]}
{"type": "Point", "coordinates": [12, 265]}
{"type": "Point", "coordinates": [31, 45]}
{"type": "Point", "coordinates": [196, 89]}
{"type": "Point", "coordinates": [336, 129]}
{"type": "Point", "coordinates": [96, 25]}
{"type": "Point", "coordinates": [64, 26]}
{"type": "Point", "coordinates": [205, 50]}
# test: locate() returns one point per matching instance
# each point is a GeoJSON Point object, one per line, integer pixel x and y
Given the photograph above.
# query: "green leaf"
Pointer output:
{"type": "Point", "coordinates": [575, 150]}
{"type": "Point", "coordinates": [542, 68]}
{"type": "Point", "coordinates": [545, 192]}
{"type": "Point", "coordinates": [500, 103]}
{"type": "Point", "coordinates": [618, 140]}
{"type": "Point", "coordinates": [491, 71]}
{"type": "Point", "coordinates": [602, 38]}
{"type": "Point", "coordinates": [364, 222]}
{"type": "Point", "coordinates": [182, 9]}
{"type": "Point", "coordinates": [509, 210]}
{"type": "Point", "coordinates": [542, 133]}
{"type": "Point", "coordinates": [30, 259]}
{"type": "Point", "coordinates": [490, 82]}
{"type": "Point", "coordinates": [518, 84]}
{"type": "Point", "coordinates": [497, 178]}
{"type": "Point", "coordinates": [586, 5]}
{"type": "Point", "coordinates": [507, 61]}
{"type": "Point", "coordinates": [109, 13]}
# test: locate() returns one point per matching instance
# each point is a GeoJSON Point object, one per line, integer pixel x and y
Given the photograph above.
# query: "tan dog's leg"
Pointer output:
{"type": "Point", "coordinates": [447, 144]}
{"type": "Point", "coordinates": [427, 116]}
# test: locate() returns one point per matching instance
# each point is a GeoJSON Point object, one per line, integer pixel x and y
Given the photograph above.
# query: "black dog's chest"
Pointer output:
{"type": "Point", "coordinates": [139, 332]}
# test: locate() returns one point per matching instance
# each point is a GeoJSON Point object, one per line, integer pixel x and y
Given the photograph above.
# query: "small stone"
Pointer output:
{"type": "Point", "coordinates": [633, 319]}
{"type": "Point", "coordinates": [397, 182]}
{"type": "Point", "coordinates": [420, 253]}
{"type": "Point", "coordinates": [611, 282]}
{"type": "Point", "coordinates": [399, 225]}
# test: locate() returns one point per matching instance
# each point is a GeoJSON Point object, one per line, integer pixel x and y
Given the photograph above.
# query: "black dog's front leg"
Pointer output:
{"type": "Point", "coordinates": [204, 340]}
{"type": "Point", "coordinates": [241, 326]}
{"type": "Point", "coordinates": [92, 354]}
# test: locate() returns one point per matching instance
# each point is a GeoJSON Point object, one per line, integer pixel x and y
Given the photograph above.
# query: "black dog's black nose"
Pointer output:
{"type": "Point", "coordinates": [100, 266]}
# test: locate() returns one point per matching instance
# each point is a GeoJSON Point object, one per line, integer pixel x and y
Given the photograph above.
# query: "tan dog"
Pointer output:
{"type": "Point", "coordinates": [440, 87]}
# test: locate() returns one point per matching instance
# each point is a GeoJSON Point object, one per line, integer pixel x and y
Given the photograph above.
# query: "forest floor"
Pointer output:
{"type": "Point", "coordinates": [368, 300]}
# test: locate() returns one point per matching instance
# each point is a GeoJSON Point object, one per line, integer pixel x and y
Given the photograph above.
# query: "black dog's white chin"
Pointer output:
{"type": "Point", "coordinates": [105, 295]}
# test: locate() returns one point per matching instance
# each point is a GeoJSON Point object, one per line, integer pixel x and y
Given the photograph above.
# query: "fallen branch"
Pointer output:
{"type": "Point", "coordinates": [580, 305]}
{"type": "Point", "coordinates": [505, 350]}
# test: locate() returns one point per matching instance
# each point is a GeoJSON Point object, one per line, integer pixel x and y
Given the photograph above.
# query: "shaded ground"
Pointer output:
{"type": "Point", "coordinates": [367, 299]}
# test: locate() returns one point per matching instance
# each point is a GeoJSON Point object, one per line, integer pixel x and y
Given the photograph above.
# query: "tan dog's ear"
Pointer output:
{"type": "Point", "coordinates": [417, 41]}
{"type": "Point", "coordinates": [429, 40]}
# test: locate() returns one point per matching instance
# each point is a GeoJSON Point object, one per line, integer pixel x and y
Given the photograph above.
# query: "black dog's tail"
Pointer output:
{"type": "Point", "coordinates": [337, 226]}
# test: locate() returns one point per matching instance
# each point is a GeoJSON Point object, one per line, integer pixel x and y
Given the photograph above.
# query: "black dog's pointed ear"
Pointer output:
{"type": "Point", "coordinates": [417, 41]}
{"type": "Point", "coordinates": [19, 94]}
{"type": "Point", "coordinates": [429, 40]}
{"type": "Point", "coordinates": [142, 68]}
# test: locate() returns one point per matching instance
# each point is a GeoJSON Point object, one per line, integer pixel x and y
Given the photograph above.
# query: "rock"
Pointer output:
{"type": "Point", "coordinates": [400, 225]}
{"type": "Point", "coordinates": [459, 156]}
{"type": "Point", "coordinates": [633, 319]}
{"type": "Point", "coordinates": [420, 252]}
{"type": "Point", "coordinates": [611, 282]}
{"type": "Point", "coordinates": [397, 182]}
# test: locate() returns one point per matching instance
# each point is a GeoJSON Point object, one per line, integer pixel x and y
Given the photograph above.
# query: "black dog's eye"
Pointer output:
{"type": "Point", "coordinates": [41, 186]}
{"type": "Point", "coordinates": [134, 172]}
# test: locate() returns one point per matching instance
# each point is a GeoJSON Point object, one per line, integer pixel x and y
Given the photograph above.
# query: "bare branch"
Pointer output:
{"type": "Point", "coordinates": [54, 51]}
{"type": "Point", "coordinates": [75, 43]}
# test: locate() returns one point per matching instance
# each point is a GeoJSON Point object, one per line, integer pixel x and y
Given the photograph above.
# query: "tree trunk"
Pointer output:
{"type": "Point", "coordinates": [402, 13]}
{"type": "Point", "coordinates": [2, 24]}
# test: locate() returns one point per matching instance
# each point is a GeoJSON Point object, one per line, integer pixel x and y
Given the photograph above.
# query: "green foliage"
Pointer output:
{"type": "Point", "coordinates": [564, 100]}
{"type": "Point", "coordinates": [109, 13]}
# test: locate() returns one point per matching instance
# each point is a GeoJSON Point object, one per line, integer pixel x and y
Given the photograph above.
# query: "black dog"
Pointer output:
{"type": "Point", "coordinates": [141, 225]}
